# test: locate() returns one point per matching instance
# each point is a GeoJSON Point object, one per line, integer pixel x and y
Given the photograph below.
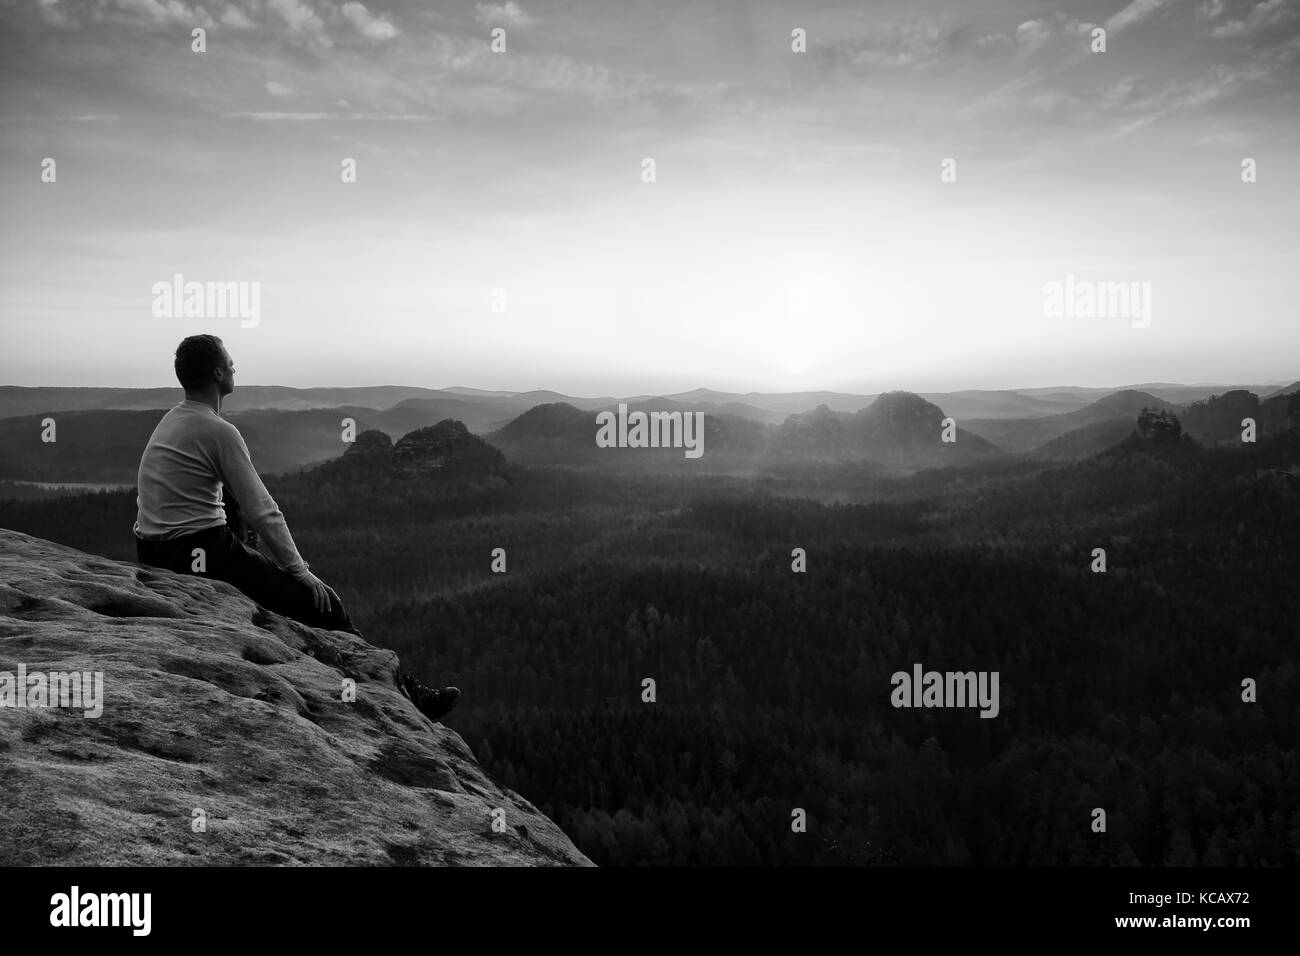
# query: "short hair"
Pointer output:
{"type": "Point", "coordinates": [196, 357]}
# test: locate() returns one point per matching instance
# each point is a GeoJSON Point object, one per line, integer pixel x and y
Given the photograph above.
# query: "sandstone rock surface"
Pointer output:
{"type": "Point", "coordinates": [215, 705]}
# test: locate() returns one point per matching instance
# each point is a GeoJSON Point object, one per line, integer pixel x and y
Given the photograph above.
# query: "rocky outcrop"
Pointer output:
{"type": "Point", "coordinates": [1158, 425]}
{"type": "Point", "coordinates": [445, 449]}
{"type": "Point", "coordinates": [225, 736]}
{"type": "Point", "coordinates": [369, 458]}
{"type": "Point", "coordinates": [371, 445]}
{"type": "Point", "coordinates": [443, 459]}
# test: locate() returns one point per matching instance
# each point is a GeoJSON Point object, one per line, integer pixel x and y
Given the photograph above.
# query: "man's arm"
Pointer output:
{"type": "Point", "coordinates": [255, 502]}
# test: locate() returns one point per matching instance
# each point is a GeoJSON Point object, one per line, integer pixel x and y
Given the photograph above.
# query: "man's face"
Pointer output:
{"type": "Point", "coordinates": [227, 383]}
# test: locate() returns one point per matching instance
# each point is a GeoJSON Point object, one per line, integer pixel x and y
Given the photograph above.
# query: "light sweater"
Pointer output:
{"type": "Point", "coordinates": [191, 453]}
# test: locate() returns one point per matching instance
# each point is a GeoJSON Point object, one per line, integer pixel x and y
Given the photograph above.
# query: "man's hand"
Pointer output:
{"type": "Point", "coordinates": [320, 591]}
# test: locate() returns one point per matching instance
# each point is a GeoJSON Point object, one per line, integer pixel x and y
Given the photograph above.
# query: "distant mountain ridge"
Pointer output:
{"type": "Point", "coordinates": [896, 429]}
{"type": "Point", "coordinates": [1217, 420]}
{"type": "Point", "coordinates": [1023, 435]}
{"type": "Point", "coordinates": [486, 409]}
{"type": "Point", "coordinates": [899, 429]}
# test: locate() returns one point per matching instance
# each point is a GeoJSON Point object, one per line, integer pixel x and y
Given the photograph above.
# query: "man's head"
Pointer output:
{"type": "Point", "coordinates": [203, 366]}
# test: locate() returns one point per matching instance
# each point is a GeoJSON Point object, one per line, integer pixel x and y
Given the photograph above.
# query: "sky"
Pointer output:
{"type": "Point", "coordinates": [798, 232]}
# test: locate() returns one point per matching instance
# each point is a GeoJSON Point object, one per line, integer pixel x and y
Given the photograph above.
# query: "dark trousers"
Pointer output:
{"type": "Point", "coordinates": [229, 559]}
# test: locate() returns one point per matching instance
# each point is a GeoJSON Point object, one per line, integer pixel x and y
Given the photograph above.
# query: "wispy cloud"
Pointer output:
{"type": "Point", "coordinates": [83, 118]}
{"type": "Point", "coordinates": [273, 117]}
{"type": "Point", "coordinates": [1032, 34]}
{"type": "Point", "coordinates": [1261, 16]}
{"type": "Point", "coordinates": [173, 11]}
{"type": "Point", "coordinates": [302, 21]}
{"type": "Point", "coordinates": [54, 13]}
{"type": "Point", "coordinates": [368, 25]}
{"type": "Point", "coordinates": [509, 14]}
{"type": "Point", "coordinates": [234, 17]}
{"type": "Point", "coordinates": [1138, 11]}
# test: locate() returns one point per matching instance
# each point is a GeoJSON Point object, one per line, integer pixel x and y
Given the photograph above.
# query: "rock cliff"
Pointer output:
{"type": "Point", "coordinates": [225, 736]}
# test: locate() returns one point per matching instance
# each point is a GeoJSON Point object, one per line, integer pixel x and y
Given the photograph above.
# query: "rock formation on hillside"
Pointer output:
{"type": "Point", "coordinates": [444, 458]}
{"type": "Point", "coordinates": [447, 447]}
{"type": "Point", "coordinates": [371, 444]}
{"type": "Point", "coordinates": [1155, 424]}
{"type": "Point", "coordinates": [214, 709]}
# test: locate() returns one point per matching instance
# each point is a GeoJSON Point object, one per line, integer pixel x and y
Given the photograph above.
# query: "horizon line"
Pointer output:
{"type": "Point", "coordinates": [704, 388]}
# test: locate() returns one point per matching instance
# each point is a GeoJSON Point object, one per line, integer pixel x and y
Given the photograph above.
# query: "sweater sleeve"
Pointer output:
{"type": "Point", "coordinates": [255, 502]}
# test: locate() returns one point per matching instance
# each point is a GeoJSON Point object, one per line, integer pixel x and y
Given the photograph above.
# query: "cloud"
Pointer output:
{"type": "Point", "coordinates": [269, 116]}
{"type": "Point", "coordinates": [302, 21]}
{"type": "Point", "coordinates": [1136, 12]}
{"type": "Point", "coordinates": [1262, 15]}
{"type": "Point", "coordinates": [278, 89]}
{"type": "Point", "coordinates": [993, 43]}
{"type": "Point", "coordinates": [46, 118]}
{"type": "Point", "coordinates": [902, 44]}
{"type": "Point", "coordinates": [53, 14]}
{"type": "Point", "coordinates": [77, 14]}
{"type": "Point", "coordinates": [1217, 84]}
{"type": "Point", "coordinates": [367, 24]}
{"type": "Point", "coordinates": [162, 12]}
{"type": "Point", "coordinates": [1032, 34]}
{"type": "Point", "coordinates": [234, 17]}
{"type": "Point", "coordinates": [508, 13]}
{"type": "Point", "coordinates": [1053, 103]}
{"type": "Point", "coordinates": [1128, 90]}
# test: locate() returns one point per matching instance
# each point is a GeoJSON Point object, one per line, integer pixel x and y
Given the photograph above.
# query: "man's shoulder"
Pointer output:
{"type": "Point", "coordinates": [207, 425]}
{"type": "Point", "coordinates": [224, 429]}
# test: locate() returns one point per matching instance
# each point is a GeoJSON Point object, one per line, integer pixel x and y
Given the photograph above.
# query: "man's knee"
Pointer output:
{"type": "Point", "coordinates": [278, 590]}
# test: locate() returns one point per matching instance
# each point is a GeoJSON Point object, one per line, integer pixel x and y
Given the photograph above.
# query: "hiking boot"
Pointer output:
{"type": "Point", "coordinates": [434, 704]}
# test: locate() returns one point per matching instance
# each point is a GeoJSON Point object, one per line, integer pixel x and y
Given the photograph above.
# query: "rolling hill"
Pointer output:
{"type": "Point", "coordinates": [1022, 435]}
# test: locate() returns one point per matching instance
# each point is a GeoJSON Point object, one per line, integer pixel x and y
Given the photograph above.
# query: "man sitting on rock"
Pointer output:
{"type": "Point", "coordinates": [192, 456]}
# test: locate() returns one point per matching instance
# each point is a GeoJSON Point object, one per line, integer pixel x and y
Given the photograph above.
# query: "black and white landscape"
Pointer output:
{"type": "Point", "coordinates": [809, 434]}
{"type": "Point", "coordinates": [772, 588]}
